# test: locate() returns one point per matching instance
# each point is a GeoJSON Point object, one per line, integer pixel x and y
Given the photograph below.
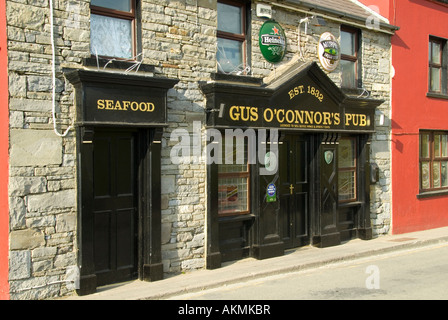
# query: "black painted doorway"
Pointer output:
{"type": "Point", "coordinates": [115, 238]}
{"type": "Point", "coordinates": [294, 190]}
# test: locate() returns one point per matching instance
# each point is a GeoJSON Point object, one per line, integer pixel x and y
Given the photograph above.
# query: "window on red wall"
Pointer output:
{"type": "Point", "coordinates": [437, 72]}
{"type": "Point", "coordinates": [433, 160]}
{"type": "Point", "coordinates": [443, 2]}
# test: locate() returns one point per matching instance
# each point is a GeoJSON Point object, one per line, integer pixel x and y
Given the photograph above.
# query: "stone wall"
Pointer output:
{"type": "Point", "coordinates": [42, 186]}
{"type": "Point", "coordinates": [377, 79]}
{"type": "Point", "coordinates": [179, 39]}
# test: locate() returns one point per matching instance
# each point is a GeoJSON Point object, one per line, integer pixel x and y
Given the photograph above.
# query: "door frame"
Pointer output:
{"type": "Point", "coordinates": [148, 153]}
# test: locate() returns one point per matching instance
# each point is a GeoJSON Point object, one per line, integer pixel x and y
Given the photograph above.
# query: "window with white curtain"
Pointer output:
{"type": "Point", "coordinates": [112, 28]}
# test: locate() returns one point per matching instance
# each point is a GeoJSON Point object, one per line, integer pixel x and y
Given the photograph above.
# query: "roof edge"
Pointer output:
{"type": "Point", "coordinates": [335, 15]}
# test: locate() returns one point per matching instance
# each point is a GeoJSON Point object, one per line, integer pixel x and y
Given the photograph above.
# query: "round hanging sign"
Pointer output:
{"type": "Point", "coordinates": [329, 52]}
{"type": "Point", "coordinates": [272, 41]}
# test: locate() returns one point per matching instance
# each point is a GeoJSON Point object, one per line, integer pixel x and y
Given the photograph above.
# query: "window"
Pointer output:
{"type": "Point", "coordinates": [349, 58]}
{"type": "Point", "coordinates": [433, 160]}
{"type": "Point", "coordinates": [442, 2]}
{"type": "Point", "coordinates": [112, 28]}
{"type": "Point", "coordinates": [232, 51]}
{"type": "Point", "coordinates": [233, 182]}
{"type": "Point", "coordinates": [347, 169]}
{"type": "Point", "coordinates": [437, 65]}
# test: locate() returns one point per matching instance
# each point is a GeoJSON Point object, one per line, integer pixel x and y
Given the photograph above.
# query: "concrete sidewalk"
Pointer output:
{"type": "Point", "coordinates": [243, 270]}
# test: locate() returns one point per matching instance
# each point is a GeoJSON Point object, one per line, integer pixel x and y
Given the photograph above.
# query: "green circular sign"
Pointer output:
{"type": "Point", "coordinates": [272, 41]}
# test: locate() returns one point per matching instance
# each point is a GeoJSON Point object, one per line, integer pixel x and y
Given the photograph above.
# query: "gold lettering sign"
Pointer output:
{"type": "Point", "coordinates": [301, 106]}
{"type": "Point", "coordinates": [299, 90]}
{"type": "Point", "coordinates": [118, 105]}
{"type": "Point", "coordinates": [288, 118]}
{"type": "Point", "coordinates": [243, 113]}
{"type": "Point", "coordinates": [356, 119]}
{"type": "Point", "coordinates": [305, 117]}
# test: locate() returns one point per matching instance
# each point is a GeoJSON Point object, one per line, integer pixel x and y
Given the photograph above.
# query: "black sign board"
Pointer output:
{"type": "Point", "coordinates": [116, 104]}
{"type": "Point", "coordinates": [305, 100]}
{"type": "Point", "coordinates": [105, 98]}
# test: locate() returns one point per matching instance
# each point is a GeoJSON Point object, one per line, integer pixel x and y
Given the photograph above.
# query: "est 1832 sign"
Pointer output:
{"type": "Point", "coordinates": [272, 41]}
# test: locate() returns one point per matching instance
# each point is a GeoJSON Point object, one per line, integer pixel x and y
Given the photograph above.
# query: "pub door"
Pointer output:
{"type": "Point", "coordinates": [115, 231]}
{"type": "Point", "coordinates": [329, 221]}
{"type": "Point", "coordinates": [294, 190]}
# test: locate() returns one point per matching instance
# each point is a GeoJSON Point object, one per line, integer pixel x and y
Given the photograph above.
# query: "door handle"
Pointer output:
{"type": "Point", "coordinates": [291, 189]}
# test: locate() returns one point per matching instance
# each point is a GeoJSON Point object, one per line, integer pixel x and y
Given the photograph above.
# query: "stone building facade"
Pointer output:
{"type": "Point", "coordinates": [175, 40]}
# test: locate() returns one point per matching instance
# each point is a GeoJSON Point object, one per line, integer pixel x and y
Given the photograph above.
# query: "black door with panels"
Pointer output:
{"type": "Point", "coordinates": [115, 231]}
{"type": "Point", "coordinates": [294, 190]}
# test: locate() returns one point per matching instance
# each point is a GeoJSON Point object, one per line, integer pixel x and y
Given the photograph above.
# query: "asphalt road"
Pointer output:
{"type": "Point", "coordinates": [413, 274]}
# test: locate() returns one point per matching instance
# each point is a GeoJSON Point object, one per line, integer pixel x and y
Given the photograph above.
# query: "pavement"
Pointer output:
{"type": "Point", "coordinates": [301, 259]}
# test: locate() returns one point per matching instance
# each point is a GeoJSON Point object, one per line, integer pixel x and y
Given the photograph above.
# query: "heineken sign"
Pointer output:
{"type": "Point", "coordinates": [272, 41]}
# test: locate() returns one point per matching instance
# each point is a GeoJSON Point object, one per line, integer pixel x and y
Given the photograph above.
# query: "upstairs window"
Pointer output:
{"type": "Point", "coordinates": [433, 160]}
{"type": "Point", "coordinates": [232, 48]}
{"type": "Point", "coordinates": [112, 28]}
{"type": "Point", "coordinates": [437, 66]}
{"type": "Point", "coordinates": [350, 58]}
{"type": "Point", "coordinates": [442, 2]}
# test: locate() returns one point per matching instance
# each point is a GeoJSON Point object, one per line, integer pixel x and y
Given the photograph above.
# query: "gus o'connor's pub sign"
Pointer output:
{"type": "Point", "coordinates": [304, 99]}
{"type": "Point", "coordinates": [272, 41]}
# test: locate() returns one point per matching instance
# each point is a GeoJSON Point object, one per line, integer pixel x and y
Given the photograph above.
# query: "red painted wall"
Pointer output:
{"type": "Point", "coordinates": [4, 157]}
{"type": "Point", "coordinates": [413, 111]}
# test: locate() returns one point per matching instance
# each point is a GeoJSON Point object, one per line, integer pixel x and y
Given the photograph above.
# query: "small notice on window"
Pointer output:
{"type": "Point", "coordinates": [271, 193]}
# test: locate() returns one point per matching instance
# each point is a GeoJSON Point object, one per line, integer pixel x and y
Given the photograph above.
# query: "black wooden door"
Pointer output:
{"type": "Point", "coordinates": [115, 206]}
{"type": "Point", "coordinates": [294, 190]}
{"type": "Point", "coordinates": [329, 196]}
